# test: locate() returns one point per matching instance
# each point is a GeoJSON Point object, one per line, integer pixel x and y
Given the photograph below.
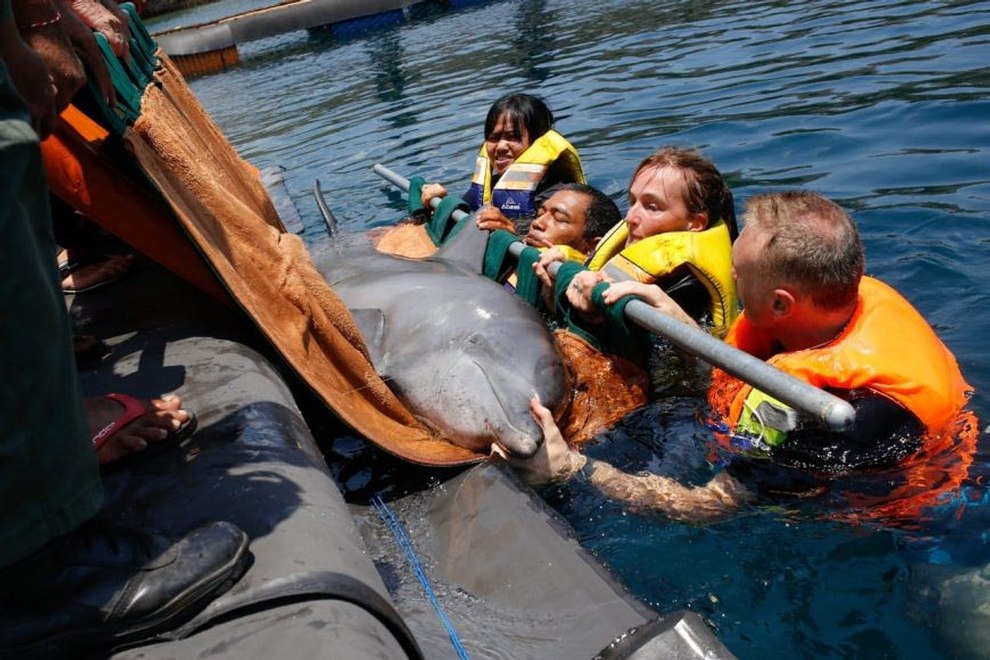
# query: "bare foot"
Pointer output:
{"type": "Point", "coordinates": [105, 270]}
{"type": "Point", "coordinates": [160, 418]}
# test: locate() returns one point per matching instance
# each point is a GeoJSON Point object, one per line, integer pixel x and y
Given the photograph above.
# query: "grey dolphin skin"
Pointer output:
{"type": "Point", "coordinates": [463, 354]}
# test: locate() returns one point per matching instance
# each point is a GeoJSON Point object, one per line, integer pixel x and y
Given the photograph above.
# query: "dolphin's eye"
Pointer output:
{"type": "Point", "coordinates": [475, 341]}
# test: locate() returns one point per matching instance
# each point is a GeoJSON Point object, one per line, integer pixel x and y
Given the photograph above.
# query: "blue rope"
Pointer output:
{"type": "Point", "coordinates": [405, 543]}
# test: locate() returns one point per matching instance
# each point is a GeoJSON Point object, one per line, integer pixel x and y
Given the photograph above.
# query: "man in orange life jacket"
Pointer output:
{"type": "Point", "coordinates": [808, 310]}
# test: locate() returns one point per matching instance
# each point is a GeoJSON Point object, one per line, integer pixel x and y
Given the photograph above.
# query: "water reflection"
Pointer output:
{"type": "Point", "coordinates": [533, 39]}
{"type": "Point", "coordinates": [386, 55]}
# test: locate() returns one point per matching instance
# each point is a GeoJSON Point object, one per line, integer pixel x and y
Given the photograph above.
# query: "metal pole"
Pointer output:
{"type": "Point", "coordinates": [836, 413]}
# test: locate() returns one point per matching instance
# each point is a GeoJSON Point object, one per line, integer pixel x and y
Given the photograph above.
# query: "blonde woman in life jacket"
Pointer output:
{"type": "Point", "coordinates": [673, 248]}
{"type": "Point", "coordinates": [521, 157]}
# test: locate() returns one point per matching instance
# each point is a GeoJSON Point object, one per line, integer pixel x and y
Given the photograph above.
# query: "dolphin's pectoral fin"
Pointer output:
{"type": "Point", "coordinates": [371, 324]}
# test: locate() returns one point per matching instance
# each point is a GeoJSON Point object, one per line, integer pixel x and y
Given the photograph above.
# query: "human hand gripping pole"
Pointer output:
{"type": "Point", "coordinates": [837, 414]}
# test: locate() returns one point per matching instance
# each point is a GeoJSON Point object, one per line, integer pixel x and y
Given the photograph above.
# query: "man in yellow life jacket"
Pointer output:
{"type": "Point", "coordinates": [807, 309]}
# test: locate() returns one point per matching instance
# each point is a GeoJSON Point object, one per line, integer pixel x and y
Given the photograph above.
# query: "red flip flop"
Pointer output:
{"type": "Point", "coordinates": [134, 408]}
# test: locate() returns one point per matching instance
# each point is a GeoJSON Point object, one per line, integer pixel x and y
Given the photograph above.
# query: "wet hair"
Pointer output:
{"type": "Point", "coordinates": [812, 244]}
{"type": "Point", "coordinates": [521, 110]}
{"type": "Point", "coordinates": [707, 191]}
{"type": "Point", "coordinates": [601, 215]}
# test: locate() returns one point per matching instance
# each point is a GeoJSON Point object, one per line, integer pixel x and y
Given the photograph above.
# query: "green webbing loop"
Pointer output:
{"type": "Point", "coordinates": [128, 94]}
{"type": "Point", "coordinates": [614, 335]}
{"type": "Point", "coordinates": [565, 274]}
{"type": "Point", "coordinates": [527, 283]}
{"type": "Point", "coordinates": [134, 67]}
{"type": "Point", "coordinates": [441, 226]}
{"type": "Point", "coordinates": [129, 78]}
{"type": "Point", "coordinates": [497, 259]}
{"type": "Point", "coordinates": [498, 262]}
{"type": "Point", "coordinates": [415, 202]}
{"type": "Point", "coordinates": [618, 334]}
{"type": "Point", "coordinates": [111, 120]}
{"type": "Point", "coordinates": [142, 42]}
{"type": "Point", "coordinates": [455, 228]}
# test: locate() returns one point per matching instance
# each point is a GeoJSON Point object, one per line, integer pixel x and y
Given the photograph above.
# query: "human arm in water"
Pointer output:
{"type": "Point", "coordinates": [429, 191]}
{"type": "Point", "coordinates": [582, 283]}
{"type": "Point", "coordinates": [555, 461]}
{"type": "Point", "coordinates": [488, 218]}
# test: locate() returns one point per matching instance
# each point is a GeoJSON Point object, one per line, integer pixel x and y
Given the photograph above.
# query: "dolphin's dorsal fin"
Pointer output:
{"type": "Point", "coordinates": [467, 247]}
{"type": "Point", "coordinates": [371, 324]}
{"type": "Point", "coordinates": [329, 219]}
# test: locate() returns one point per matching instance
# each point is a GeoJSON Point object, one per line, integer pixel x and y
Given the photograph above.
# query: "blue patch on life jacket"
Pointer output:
{"type": "Point", "coordinates": [513, 203]}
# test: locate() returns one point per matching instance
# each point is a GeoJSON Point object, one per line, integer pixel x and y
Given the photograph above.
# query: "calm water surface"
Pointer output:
{"type": "Point", "coordinates": [882, 106]}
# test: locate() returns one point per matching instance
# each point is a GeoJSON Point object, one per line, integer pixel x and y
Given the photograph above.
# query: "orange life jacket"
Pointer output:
{"type": "Point", "coordinates": [887, 347]}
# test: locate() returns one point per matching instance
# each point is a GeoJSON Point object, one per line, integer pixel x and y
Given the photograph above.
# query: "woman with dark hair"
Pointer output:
{"type": "Point", "coordinates": [521, 157]}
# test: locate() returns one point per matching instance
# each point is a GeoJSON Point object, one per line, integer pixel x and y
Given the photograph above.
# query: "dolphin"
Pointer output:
{"type": "Point", "coordinates": [465, 355]}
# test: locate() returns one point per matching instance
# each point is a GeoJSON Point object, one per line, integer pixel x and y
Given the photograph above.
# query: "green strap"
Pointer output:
{"type": "Point", "coordinates": [128, 94]}
{"type": "Point", "coordinates": [143, 45]}
{"type": "Point", "coordinates": [615, 335]}
{"type": "Point", "coordinates": [527, 283]}
{"type": "Point", "coordinates": [439, 227]}
{"type": "Point", "coordinates": [442, 227]}
{"type": "Point", "coordinates": [565, 274]}
{"type": "Point", "coordinates": [415, 201]}
{"type": "Point", "coordinates": [620, 337]}
{"type": "Point", "coordinates": [497, 254]}
{"type": "Point", "coordinates": [498, 262]}
{"type": "Point", "coordinates": [129, 78]}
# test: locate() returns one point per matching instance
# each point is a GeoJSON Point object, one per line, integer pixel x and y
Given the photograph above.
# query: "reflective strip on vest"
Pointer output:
{"type": "Point", "coordinates": [522, 176]}
{"type": "Point", "coordinates": [513, 193]}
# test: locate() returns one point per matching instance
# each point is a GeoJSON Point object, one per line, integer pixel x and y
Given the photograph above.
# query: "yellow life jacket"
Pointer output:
{"type": "Point", "coordinates": [707, 254]}
{"type": "Point", "coordinates": [514, 192]}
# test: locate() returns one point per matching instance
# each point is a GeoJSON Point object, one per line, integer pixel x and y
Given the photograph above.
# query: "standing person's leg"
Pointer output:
{"type": "Point", "coordinates": [49, 479]}
{"type": "Point", "coordinates": [67, 578]}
